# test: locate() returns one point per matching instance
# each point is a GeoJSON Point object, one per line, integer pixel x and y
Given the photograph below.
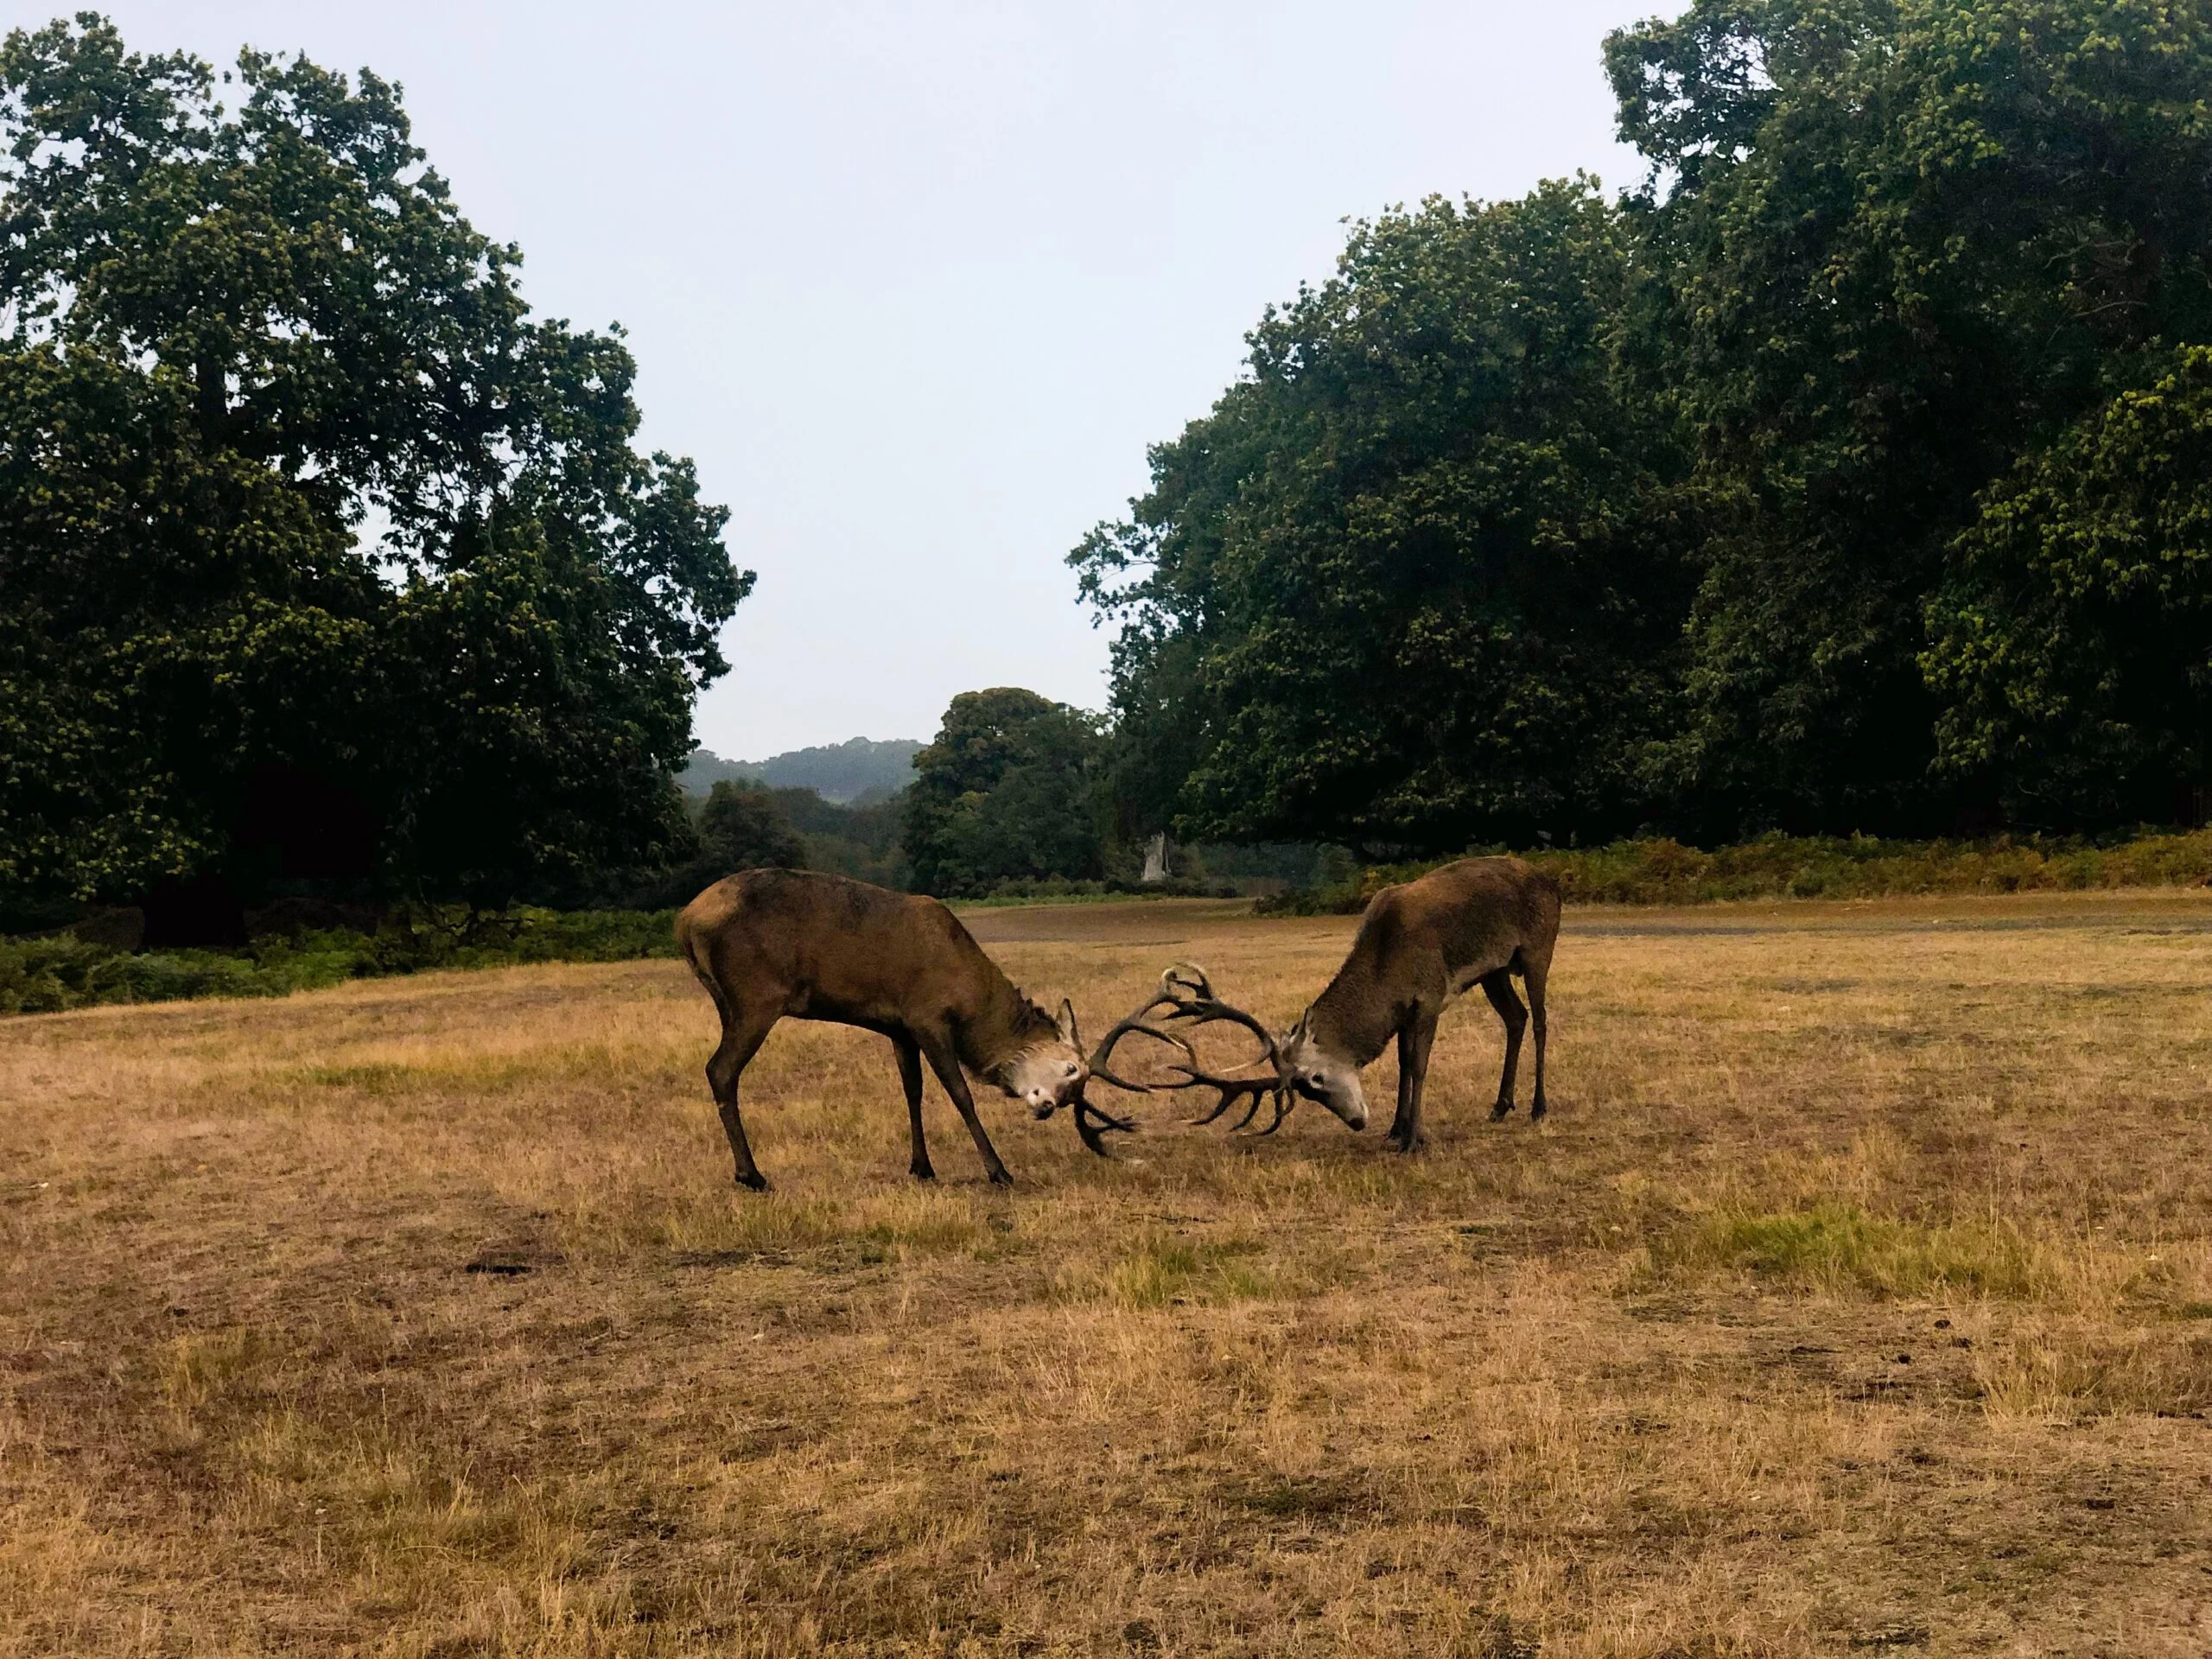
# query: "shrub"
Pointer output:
{"type": "Point", "coordinates": [1664, 872]}
{"type": "Point", "coordinates": [45, 975]}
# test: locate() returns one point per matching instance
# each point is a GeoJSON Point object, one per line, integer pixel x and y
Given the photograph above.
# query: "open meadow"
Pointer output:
{"type": "Point", "coordinates": [1856, 1296]}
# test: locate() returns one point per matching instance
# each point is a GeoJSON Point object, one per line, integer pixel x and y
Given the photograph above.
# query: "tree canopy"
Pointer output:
{"type": "Point", "coordinates": [322, 555]}
{"type": "Point", "coordinates": [2073, 637]}
{"type": "Point", "coordinates": [1417, 579]}
{"type": "Point", "coordinates": [1834, 478]}
{"type": "Point", "coordinates": [743, 826]}
{"type": "Point", "coordinates": [1008, 791]}
{"type": "Point", "coordinates": [1894, 246]}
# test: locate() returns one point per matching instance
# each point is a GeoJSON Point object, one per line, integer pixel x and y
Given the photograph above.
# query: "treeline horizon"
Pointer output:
{"type": "Point", "coordinates": [1010, 798]}
{"type": "Point", "coordinates": [1850, 473]}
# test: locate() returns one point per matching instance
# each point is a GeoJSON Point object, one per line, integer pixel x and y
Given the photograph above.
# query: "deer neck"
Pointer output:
{"type": "Point", "coordinates": [1002, 1025]}
{"type": "Point", "coordinates": [1351, 1019]}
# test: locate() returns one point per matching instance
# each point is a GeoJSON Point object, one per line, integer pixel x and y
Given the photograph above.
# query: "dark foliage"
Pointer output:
{"type": "Point", "coordinates": [232, 340]}
{"type": "Point", "coordinates": [862, 839]}
{"type": "Point", "coordinates": [745, 827]}
{"type": "Point", "coordinates": [1009, 791]}
{"type": "Point", "coordinates": [40, 976]}
{"type": "Point", "coordinates": [1421, 578]}
{"type": "Point", "coordinates": [1845, 476]}
{"type": "Point", "coordinates": [1894, 246]}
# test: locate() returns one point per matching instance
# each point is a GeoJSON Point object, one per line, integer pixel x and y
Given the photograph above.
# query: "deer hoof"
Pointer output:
{"type": "Point", "coordinates": [999, 1178]}
{"type": "Point", "coordinates": [753, 1180]}
{"type": "Point", "coordinates": [1504, 1109]}
{"type": "Point", "coordinates": [1537, 1111]}
{"type": "Point", "coordinates": [922, 1172]}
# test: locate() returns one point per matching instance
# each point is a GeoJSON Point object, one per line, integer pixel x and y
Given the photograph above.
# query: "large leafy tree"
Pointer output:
{"type": "Point", "coordinates": [1419, 578]}
{"type": "Point", "coordinates": [2075, 635]}
{"type": "Point", "coordinates": [1899, 244]}
{"type": "Point", "coordinates": [744, 826]}
{"type": "Point", "coordinates": [1008, 791]}
{"type": "Point", "coordinates": [320, 554]}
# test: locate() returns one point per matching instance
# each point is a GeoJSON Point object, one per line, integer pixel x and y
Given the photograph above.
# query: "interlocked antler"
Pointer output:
{"type": "Point", "coordinates": [1191, 1001]}
{"type": "Point", "coordinates": [1135, 1024]}
{"type": "Point", "coordinates": [1090, 1121]}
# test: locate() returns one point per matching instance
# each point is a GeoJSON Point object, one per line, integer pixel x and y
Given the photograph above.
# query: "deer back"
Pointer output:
{"type": "Point", "coordinates": [1487, 913]}
{"type": "Point", "coordinates": [1431, 938]}
{"type": "Point", "coordinates": [821, 946]}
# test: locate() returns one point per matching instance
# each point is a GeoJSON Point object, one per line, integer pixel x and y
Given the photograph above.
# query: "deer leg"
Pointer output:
{"type": "Point", "coordinates": [741, 1041]}
{"type": "Point", "coordinates": [1534, 977]}
{"type": "Point", "coordinates": [1498, 987]}
{"type": "Point", "coordinates": [1405, 1083]}
{"type": "Point", "coordinates": [945, 1062]}
{"type": "Point", "coordinates": [1416, 1037]}
{"type": "Point", "coordinates": [910, 1076]}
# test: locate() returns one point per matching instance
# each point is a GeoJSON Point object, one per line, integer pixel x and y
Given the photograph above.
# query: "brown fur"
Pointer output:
{"type": "Point", "coordinates": [1478, 922]}
{"type": "Point", "coordinates": [769, 944]}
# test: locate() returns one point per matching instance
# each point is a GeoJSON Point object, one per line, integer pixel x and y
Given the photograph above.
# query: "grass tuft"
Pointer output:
{"type": "Point", "coordinates": [1840, 1249]}
{"type": "Point", "coordinates": [1161, 1269]}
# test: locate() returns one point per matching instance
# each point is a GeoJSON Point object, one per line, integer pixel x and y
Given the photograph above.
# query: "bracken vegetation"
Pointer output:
{"type": "Point", "coordinates": [1664, 872]}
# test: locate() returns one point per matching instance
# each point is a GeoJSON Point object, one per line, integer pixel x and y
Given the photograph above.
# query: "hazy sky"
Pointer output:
{"type": "Point", "coordinates": [915, 285]}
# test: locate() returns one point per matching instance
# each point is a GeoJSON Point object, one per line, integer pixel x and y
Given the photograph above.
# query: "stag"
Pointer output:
{"type": "Point", "coordinates": [1478, 922]}
{"type": "Point", "coordinates": [769, 943]}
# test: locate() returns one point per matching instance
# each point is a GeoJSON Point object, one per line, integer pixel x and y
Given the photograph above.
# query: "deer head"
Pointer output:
{"type": "Point", "coordinates": [1054, 1074]}
{"type": "Point", "coordinates": [1051, 1074]}
{"type": "Point", "coordinates": [1308, 1069]}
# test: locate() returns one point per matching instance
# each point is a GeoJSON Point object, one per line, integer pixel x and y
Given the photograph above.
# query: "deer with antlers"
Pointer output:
{"type": "Point", "coordinates": [1480, 921]}
{"type": "Point", "coordinates": [771, 943]}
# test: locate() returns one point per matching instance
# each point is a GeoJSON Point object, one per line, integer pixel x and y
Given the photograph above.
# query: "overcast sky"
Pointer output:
{"type": "Point", "coordinates": [917, 284]}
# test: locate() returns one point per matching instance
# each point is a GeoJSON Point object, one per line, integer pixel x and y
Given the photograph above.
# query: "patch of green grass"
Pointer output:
{"type": "Point", "coordinates": [1839, 1248]}
{"type": "Point", "coordinates": [1161, 1269]}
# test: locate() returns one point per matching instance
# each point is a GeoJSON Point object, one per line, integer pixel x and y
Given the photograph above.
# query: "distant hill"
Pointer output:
{"type": "Point", "coordinates": [837, 772]}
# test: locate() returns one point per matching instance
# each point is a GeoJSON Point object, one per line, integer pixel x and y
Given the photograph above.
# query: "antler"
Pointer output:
{"type": "Point", "coordinates": [1135, 1024]}
{"type": "Point", "coordinates": [1090, 1121]}
{"type": "Point", "coordinates": [1188, 995]}
{"type": "Point", "coordinates": [1186, 986]}
{"type": "Point", "coordinates": [1234, 1089]}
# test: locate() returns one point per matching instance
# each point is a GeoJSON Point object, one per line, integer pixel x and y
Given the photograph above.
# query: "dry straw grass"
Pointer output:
{"type": "Point", "coordinates": [1635, 1382]}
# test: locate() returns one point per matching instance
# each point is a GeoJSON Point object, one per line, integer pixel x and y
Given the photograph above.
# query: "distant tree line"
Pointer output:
{"type": "Point", "coordinates": [1013, 796]}
{"type": "Point", "coordinates": [844, 772]}
{"type": "Point", "coordinates": [1852, 473]}
{"type": "Point", "coordinates": [743, 825]}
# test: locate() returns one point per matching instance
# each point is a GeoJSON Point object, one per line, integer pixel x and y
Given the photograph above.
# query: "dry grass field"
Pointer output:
{"type": "Point", "coordinates": [1857, 1296]}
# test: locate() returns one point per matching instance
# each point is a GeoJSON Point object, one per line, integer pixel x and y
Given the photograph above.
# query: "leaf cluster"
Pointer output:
{"type": "Point", "coordinates": [1837, 477]}
{"type": "Point", "coordinates": [1008, 792]}
{"type": "Point", "coordinates": [1416, 579]}
{"type": "Point", "coordinates": [322, 556]}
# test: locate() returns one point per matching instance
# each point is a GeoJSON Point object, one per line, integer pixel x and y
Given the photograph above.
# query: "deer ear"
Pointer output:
{"type": "Point", "coordinates": [1069, 1032]}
